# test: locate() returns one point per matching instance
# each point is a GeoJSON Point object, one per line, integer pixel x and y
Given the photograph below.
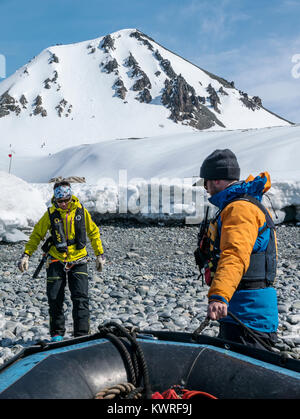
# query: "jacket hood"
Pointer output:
{"type": "Point", "coordinates": [255, 187]}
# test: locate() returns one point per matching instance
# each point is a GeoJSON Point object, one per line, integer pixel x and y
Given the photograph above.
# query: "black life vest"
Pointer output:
{"type": "Point", "coordinates": [58, 233]}
{"type": "Point", "coordinates": [261, 272]}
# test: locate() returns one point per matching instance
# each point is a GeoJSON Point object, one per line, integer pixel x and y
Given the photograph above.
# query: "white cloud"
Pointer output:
{"type": "Point", "coordinates": [215, 18]}
{"type": "Point", "coordinates": [285, 6]}
{"type": "Point", "coordinates": [263, 69]}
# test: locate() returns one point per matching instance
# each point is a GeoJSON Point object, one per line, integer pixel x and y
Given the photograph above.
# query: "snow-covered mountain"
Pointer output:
{"type": "Point", "coordinates": [121, 85]}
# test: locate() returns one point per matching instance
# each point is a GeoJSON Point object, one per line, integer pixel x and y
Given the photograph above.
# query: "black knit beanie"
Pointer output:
{"type": "Point", "coordinates": [221, 164]}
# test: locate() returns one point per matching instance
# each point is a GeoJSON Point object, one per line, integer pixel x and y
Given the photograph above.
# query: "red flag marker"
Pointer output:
{"type": "Point", "coordinates": [10, 160]}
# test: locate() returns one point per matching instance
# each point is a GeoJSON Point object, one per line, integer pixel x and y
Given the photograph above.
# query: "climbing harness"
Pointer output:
{"type": "Point", "coordinates": [69, 265]}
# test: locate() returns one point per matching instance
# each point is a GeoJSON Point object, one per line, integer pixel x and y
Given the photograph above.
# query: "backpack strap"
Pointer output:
{"type": "Point", "coordinates": [57, 231]}
{"type": "Point", "coordinates": [261, 272]}
{"type": "Point", "coordinates": [80, 228]}
{"type": "Point", "coordinates": [249, 198]}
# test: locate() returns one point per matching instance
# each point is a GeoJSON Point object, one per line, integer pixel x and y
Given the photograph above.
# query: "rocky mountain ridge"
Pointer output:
{"type": "Point", "coordinates": [68, 81]}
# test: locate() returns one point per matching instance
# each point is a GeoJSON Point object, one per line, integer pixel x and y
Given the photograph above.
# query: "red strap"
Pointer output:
{"type": "Point", "coordinates": [207, 277]}
{"type": "Point", "coordinates": [189, 394]}
{"type": "Point", "coordinates": [156, 395]}
{"type": "Point", "coordinates": [170, 394]}
{"type": "Point", "coordinates": [53, 260]}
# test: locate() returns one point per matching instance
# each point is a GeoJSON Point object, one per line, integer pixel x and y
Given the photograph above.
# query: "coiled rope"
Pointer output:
{"type": "Point", "coordinates": [122, 390]}
{"type": "Point", "coordinates": [135, 361]}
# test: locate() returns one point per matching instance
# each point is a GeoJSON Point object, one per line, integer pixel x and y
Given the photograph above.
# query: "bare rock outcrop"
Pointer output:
{"type": "Point", "coordinates": [38, 108]}
{"type": "Point", "coordinates": [23, 101]}
{"type": "Point", "coordinates": [165, 65]}
{"type": "Point", "coordinates": [63, 108]}
{"type": "Point", "coordinates": [214, 98]}
{"type": "Point", "coordinates": [253, 103]}
{"type": "Point", "coordinates": [185, 105]}
{"type": "Point", "coordinates": [48, 81]}
{"type": "Point", "coordinates": [143, 82]}
{"type": "Point", "coordinates": [53, 58]}
{"type": "Point", "coordinates": [144, 96]}
{"type": "Point", "coordinates": [107, 43]}
{"type": "Point", "coordinates": [111, 66]}
{"type": "Point", "coordinates": [142, 38]}
{"type": "Point", "coordinates": [8, 104]}
{"type": "Point", "coordinates": [120, 89]}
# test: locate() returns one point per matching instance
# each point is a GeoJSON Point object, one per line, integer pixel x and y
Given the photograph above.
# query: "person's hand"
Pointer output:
{"type": "Point", "coordinates": [100, 261]}
{"type": "Point", "coordinates": [23, 262]}
{"type": "Point", "coordinates": [216, 310]}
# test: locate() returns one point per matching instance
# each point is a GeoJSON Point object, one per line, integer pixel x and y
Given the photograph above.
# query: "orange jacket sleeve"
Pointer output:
{"type": "Point", "coordinates": [240, 223]}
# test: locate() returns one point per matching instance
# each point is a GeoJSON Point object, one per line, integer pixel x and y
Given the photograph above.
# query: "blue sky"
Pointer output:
{"type": "Point", "coordinates": [249, 41]}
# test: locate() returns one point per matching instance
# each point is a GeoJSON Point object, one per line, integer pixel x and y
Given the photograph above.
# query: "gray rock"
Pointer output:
{"type": "Point", "coordinates": [283, 308]}
{"type": "Point", "coordinates": [154, 287]}
{"type": "Point", "coordinates": [294, 318]}
{"type": "Point", "coordinates": [296, 304]}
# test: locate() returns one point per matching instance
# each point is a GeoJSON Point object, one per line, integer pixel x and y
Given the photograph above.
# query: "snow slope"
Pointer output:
{"type": "Point", "coordinates": [20, 207]}
{"type": "Point", "coordinates": [276, 150]}
{"type": "Point", "coordinates": [149, 178]}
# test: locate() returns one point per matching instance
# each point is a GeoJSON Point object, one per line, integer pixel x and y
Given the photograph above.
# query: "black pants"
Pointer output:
{"type": "Point", "coordinates": [236, 333]}
{"type": "Point", "coordinates": [77, 278]}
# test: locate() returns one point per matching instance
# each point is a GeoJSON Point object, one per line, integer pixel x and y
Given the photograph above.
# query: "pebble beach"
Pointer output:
{"type": "Point", "coordinates": [149, 280]}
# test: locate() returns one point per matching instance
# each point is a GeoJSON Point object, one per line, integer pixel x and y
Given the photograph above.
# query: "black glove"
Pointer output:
{"type": "Point", "coordinates": [200, 258]}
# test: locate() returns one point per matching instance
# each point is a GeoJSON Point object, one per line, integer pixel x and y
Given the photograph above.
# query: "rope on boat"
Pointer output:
{"type": "Point", "coordinates": [206, 322]}
{"type": "Point", "coordinates": [123, 390]}
{"type": "Point", "coordinates": [136, 364]}
{"type": "Point", "coordinates": [137, 370]}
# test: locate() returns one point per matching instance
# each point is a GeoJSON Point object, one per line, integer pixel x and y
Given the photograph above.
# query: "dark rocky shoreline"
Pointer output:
{"type": "Point", "coordinates": [149, 281]}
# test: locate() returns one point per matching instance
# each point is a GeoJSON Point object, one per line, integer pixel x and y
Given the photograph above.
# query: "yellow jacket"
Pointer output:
{"type": "Point", "coordinates": [43, 225]}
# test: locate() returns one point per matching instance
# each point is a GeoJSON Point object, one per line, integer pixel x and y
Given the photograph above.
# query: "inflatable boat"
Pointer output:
{"type": "Point", "coordinates": [146, 364]}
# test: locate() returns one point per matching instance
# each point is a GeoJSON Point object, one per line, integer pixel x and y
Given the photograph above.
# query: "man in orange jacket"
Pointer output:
{"type": "Point", "coordinates": [240, 253]}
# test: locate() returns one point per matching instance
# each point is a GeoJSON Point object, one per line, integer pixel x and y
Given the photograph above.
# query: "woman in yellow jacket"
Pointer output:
{"type": "Point", "coordinates": [69, 223]}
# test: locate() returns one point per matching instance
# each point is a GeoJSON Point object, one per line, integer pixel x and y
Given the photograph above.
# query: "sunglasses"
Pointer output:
{"type": "Point", "coordinates": [63, 201]}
